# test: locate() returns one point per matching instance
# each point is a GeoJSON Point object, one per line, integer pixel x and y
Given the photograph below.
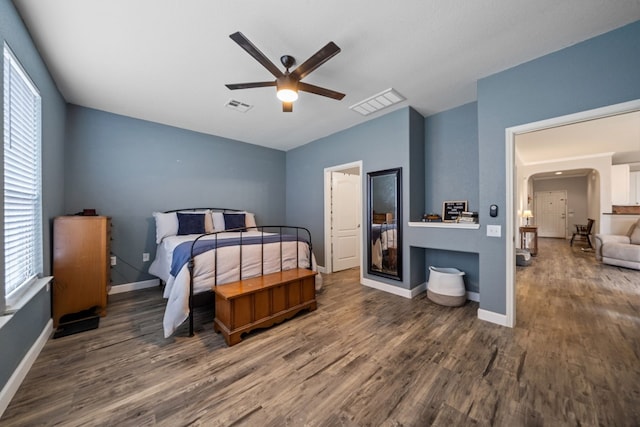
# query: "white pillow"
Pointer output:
{"type": "Point", "coordinates": [208, 223]}
{"type": "Point", "coordinates": [218, 221]}
{"type": "Point", "coordinates": [166, 225]}
{"type": "Point", "coordinates": [249, 219]}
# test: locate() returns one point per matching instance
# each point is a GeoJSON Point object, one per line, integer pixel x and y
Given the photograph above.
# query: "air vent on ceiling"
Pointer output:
{"type": "Point", "coordinates": [238, 106]}
{"type": "Point", "coordinates": [377, 102]}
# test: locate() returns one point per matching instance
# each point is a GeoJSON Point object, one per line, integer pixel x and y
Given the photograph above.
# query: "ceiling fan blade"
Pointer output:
{"type": "Point", "coordinates": [306, 87]}
{"type": "Point", "coordinates": [316, 60]}
{"type": "Point", "coordinates": [234, 86]}
{"type": "Point", "coordinates": [244, 43]}
{"type": "Point", "coordinates": [287, 107]}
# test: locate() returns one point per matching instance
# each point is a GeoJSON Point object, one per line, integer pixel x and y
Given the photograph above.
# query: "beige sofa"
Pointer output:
{"type": "Point", "coordinates": [621, 250]}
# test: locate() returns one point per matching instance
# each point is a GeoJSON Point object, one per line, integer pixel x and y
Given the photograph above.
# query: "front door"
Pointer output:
{"type": "Point", "coordinates": [551, 213]}
{"type": "Point", "coordinates": [345, 220]}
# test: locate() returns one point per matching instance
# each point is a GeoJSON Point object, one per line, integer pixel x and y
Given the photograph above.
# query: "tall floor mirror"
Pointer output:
{"type": "Point", "coordinates": [384, 212]}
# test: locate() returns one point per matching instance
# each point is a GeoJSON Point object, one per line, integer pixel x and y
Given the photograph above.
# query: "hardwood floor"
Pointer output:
{"type": "Point", "coordinates": [364, 357]}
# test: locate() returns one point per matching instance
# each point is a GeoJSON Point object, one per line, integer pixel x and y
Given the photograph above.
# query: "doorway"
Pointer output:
{"type": "Point", "coordinates": [343, 217]}
{"type": "Point", "coordinates": [511, 196]}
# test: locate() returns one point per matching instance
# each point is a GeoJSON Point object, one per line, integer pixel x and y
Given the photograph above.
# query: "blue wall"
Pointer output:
{"type": "Point", "coordinates": [382, 143]}
{"type": "Point", "coordinates": [450, 173]}
{"type": "Point", "coordinates": [128, 168]}
{"type": "Point", "coordinates": [451, 158]}
{"type": "Point", "coordinates": [20, 333]}
{"type": "Point", "coordinates": [598, 72]}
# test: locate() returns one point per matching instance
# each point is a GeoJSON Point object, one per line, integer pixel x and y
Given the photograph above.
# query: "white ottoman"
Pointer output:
{"type": "Point", "coordinates": [446, 286]}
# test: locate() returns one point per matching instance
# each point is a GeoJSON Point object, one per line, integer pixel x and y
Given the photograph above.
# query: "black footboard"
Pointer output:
{"type": "Point", "coordinates": [268, 234]}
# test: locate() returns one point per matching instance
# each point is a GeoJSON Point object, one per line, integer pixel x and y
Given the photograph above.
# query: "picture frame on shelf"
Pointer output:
{"type": "Point", "coordinates": [451, 209]}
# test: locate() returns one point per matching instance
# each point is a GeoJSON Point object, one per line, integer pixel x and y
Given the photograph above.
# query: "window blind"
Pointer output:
{"type": "Point", "coordinates": [22, 178]}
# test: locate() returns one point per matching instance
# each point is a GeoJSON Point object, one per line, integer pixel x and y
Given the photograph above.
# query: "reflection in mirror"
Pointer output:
{"type": "Point", "coordinates": [385, 223]}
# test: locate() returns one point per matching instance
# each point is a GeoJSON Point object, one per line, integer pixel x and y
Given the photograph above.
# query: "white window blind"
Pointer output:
{"type": "Point", "coordinates": [22, 178]}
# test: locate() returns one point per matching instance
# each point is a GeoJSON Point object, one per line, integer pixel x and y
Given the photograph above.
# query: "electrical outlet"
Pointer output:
{"type": "Point", "coordinates": [114, 260]}
{"type": "Point", "coordinates": [145, 257]}
{"type": "Point", "coordinates": [494, 230]}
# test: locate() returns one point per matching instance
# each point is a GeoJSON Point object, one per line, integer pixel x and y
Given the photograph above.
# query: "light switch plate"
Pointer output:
{"type": "Point", "coordinates": [494, 230]}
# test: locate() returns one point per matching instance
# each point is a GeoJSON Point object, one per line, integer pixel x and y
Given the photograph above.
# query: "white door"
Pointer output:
{"type": "Point", "coordinates": [345, 220]}
{"type": "Point", "coordinates": [551, 213]}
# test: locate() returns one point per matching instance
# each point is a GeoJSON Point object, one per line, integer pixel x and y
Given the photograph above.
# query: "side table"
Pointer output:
{"type": "Point", "coordinates": [524, 230]}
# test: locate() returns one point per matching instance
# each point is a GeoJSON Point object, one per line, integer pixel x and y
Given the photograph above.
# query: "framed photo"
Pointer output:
{"type": "Point", "coordinates": [452, 209]}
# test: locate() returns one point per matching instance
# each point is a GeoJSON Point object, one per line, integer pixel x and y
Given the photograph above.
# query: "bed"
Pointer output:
{"type": "Point", "coordinates": [202, 249]}
{"type": "Point", "coordinates": [383, 242]}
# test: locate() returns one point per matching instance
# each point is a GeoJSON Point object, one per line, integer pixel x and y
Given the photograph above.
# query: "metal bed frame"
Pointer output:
{"type": "Point", "coordinates": [306, 236]}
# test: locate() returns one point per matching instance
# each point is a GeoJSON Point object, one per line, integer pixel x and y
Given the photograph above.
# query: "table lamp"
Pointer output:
{"type": "Point", "coordinates": [527, 214]}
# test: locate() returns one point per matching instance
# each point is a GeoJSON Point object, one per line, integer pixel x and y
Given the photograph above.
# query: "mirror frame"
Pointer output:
{"type": "Point", "coordinates": [397, 173]}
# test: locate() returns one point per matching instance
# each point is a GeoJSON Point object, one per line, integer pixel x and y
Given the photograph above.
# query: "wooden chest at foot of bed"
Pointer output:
{"type": "Point", "coordinates": [263, 301]}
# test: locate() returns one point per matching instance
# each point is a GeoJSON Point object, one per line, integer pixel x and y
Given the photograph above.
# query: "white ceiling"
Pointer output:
{"type": "Point", "coordinates": [167, 61]}
{"type": "Point", "coordinates": [618, 135]}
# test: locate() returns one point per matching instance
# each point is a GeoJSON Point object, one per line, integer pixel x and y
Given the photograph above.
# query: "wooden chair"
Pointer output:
{"type": "Point", "coordinates": [583, 232]}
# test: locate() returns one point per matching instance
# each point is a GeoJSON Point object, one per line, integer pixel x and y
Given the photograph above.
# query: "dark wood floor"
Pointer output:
{"type": "Point", "coordinates": [363, 358]}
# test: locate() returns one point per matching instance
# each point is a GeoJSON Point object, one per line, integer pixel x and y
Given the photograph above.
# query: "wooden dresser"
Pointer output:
{"type": "Point", "coordinates": [81, 264]}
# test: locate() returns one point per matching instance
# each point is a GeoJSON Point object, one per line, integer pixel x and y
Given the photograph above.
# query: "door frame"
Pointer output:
{"type": "Point", "coordinates": [511, 188]}
{"type": "Point", "coordinates": [328, 260]}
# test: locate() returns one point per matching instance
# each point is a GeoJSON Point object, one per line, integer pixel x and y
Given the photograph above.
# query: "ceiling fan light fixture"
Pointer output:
{"type": "Point", "coordinates": [288, 83]}
{"type": "Point", "coordinates": [287, 88]}
{"type": "Point", "coordinates": [287, 95]}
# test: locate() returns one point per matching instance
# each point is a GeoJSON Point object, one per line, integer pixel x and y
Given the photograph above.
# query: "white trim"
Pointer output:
{"type": "Point", "coordinates": [327, 213]}
{"type": "Point", "coordinates": [510, 134]}
{"type": "Point", "coordinates": [405, 293]}
{"type": "Point", "coordinates": [409, 293]}
{"type": "Point", "coordinates": [134, 286]}
{"type": "Point", "coordinates": [15, 304]}
{"type": "Point", "coordinates": [569, 159]}
{"type": "Point", "coordinates": [11, 387]}
{"type": "Point", "coordinates": [510, 237]}
{"type": "Point", "coordinates": [473, 296]}
{"type": "Point", "coordinates": [444, 225]}
{"type": "Point", "coordinates": [490, 316]}
{"type": "Point", "coordinates": [418, 290]}
{"type": "Point", "coordinates": [321, 269]}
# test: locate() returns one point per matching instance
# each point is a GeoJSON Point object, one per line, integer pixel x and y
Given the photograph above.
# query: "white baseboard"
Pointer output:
{"type": "Point", "coordinates": [10, 389]}
{"type": "Point", "coordinates": [418, 290]}
{"type": "Point", "coordinates": [409, 293]}
{"type": "Point", "coordinates": [321, 269]}
{"type": "Point", "coordinates": [490, 316]}
{"type": "Point", "coordinates": [406, 293]}
{"type": "Point", "coordinates": [134, 286]}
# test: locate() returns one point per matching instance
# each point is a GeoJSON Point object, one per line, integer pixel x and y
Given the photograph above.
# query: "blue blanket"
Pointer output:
{"type": "Point", "coordinates": [182, 252]}
{"type": "Point", "coordinates": [378, 229]}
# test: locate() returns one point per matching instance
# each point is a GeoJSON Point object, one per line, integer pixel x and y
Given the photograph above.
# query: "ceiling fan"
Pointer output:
{"type": "Point", "coordinates": [288, 83]}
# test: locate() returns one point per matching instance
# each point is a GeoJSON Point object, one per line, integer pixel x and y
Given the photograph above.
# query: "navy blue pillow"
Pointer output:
{"type": "Point", "coordinates": [233, 221]}
{"type": "Point", "coordinates": [190, 224]}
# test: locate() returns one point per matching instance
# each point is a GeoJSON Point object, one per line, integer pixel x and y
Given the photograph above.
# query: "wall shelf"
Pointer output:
{"type": "Point", "coordinates": [444, 225]}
